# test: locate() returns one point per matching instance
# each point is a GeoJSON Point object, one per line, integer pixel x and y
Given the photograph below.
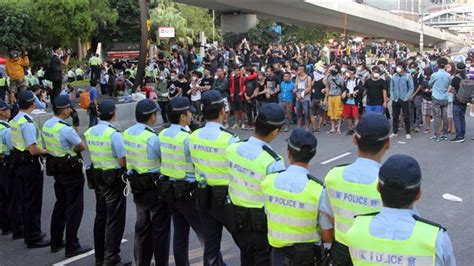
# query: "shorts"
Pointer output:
{"type": "Point", "coordinates": [17, 85]}
{"type": "Point", "coordinates": [351, 111]}
{"type": "Point", "coordinates": [316, 108]}
{"type": "Point", "coordinates": [374, 109]}
{"type": "Point", "coordinates": [226, 105]}
{"type": "Point", "coordinates": [237, 105]}
{"type": "Point", "coordinates": [302, 109]}
{"type": "Point", "coordinates": [426, 107]}
{"type": "Point", "coordinates": [335, 107]}
{"type": "Point", "coordinates": [450, 110]}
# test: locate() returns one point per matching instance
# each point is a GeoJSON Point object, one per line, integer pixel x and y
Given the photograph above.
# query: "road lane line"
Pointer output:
{"type": "Point", "coordinates": [336, 158]}
{"type": "Point", "coordinates": [78, 257]}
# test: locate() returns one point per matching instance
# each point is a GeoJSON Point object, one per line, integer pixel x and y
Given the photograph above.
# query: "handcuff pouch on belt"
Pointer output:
{"type": "Point", "coordinates": [63, 165]}
{"type": "Point", "coordinates": [4, 160]}
{"type": "Point", "coordinates": [249, 219]}
{"type": "Point", "coordinates": [171, 191]}
{"type": "Point", "coordinates": [18, 158]}
{"type": "Point", "coordinates": [304, 254]}
{"type": "Point", "coordinates": [339, 254]}
{"type": "Point", "coordinates": [142, 182]}
{"type": "Point", "coordinates": [98, 177]}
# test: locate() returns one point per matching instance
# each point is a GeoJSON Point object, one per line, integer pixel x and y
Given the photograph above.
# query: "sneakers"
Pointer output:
{"type": "Point", "coordinates": [444, 138]}
{"type": "Point", "coordinates": [457, 140]}
{"type": "Point", "coordinates": [434, 138]}
{"type": "Point", "coordinates": [408, 136]}
{"type": "Point", "coordinates": [350, 132]}
{"type": "Point", "coordinates": [394, 135]}
{"type": "Point", "coordinates": [417, 130]}
{"type": "Point", "coordinates": [235, 126]}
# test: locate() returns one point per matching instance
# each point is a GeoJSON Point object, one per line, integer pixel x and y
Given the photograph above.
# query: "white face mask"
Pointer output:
{"type": "Point", "coordinates": [399, 69]}
{"type": "Point", "coordinates": [161, 78]}
{"type": "Point", "coordinates": [359, 69]}
{"type": "Point", "coordinates": [343, 69]}
{"type": "Point", "coordinates": [468, 65]}
{"type": "Point", "coordinates": [348, 74]}
{"type": "Point", "coordinates": [376, 75]}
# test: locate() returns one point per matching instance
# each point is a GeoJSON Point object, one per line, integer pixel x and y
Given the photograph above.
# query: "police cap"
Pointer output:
{"type": "Point", "coordinates": [4, 106]}
{"type": "Point", "coordinates": [302, 140]}
{"type": "Point", "coordinates": [211, 97]}
{"type": "Point", "coordinates": [373, 127]}
{"type": "Point", "coordinates": [107, 107]}
{"type": "Point", "coordinates": [26, 96]}
{"type": "Point", "coordinates": [146, 107]}
{"type": "Point", "coordinates": [61, 101]}
{"type": "Point", "coordinates": [272, 114]}
{"type": "Point", "coordinates": [400, 168]}
{"type": "Point", "coordinates": [179, 104]}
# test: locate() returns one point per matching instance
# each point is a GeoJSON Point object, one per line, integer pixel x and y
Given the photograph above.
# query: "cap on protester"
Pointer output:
{"type": "Point", "coordinates": [106, 107]}
{"type": "Point", "coordinates": [351, 69]}
{"type": "Point", "coordinates": [4, 106]}
{"type": "Point", "coordinates": [211, 97]}
{"type": "Point", "coordinates": [272, 114]}
{"type": "Point", "coordinates": [373, 127]}
{"type": "Point", "coordinates": [61, 101]}
{"type": "Point", "coordinates": [401, 169]}
{"type": "Point", "coordinates": [461, 66]}
{"type": "Point", "coordinates": [302, 140]}
{"type": "Point", "coordinates": [26, 96]}
{"type": "Point", "coordinates": [179, 104]}
{"type": "Point", "coordinates": [146, 107]}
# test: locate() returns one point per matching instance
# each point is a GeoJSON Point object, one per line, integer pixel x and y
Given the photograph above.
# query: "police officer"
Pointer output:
{"type": "Point", "coordinates": [5, 169]}
{"type": "Point", "coordinates": [352, 189]}
{"type": "Point", "coordinates": [248, 163]}
{"type": "Point", "coordinates": [64, 163]}
{"type": "Point", "coordinates": [27, 189]}
{"type": "Point", "coordinates": [179, 186]}
{"type": "Point", "coordinates": [207, 148]}
{"type": "Point", "coordinates": [292, 207]}
{"type": "Point", "coordinates": [397, 234]}
{"type": "Point", "coordinates": [142, 150]}
{"type": "Point", "coordinates": [106, 147]}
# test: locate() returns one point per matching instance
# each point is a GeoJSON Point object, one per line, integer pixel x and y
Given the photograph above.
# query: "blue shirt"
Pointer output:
{"type": "Point", "coordinates": [92, 93]}
{"type": "Point", "coordinates": [211, 131]}
{"type": "Point", "coordinates": [361, 171]}
{"type": "Point", "coordinates": [439, 82]}
{"type": "Point", "coordinates": [286, 91]}
{"type": "Point", "coordinates": [171, 132]}
{"type": "Point", "coordinates": [252, 148]}
{"type": "Point", "coordinates": [68, 137]}
{"type": "Point", "coordinates": [39, 104]}
{"type": "Point", "coordinates": [153, 147]}
{"type": "Point", "coordinates": [398, 224]}
{"type": "Point", "coordinates": [401, 87]}
{"type": "Point", "coordinates": [28, 130]}
{"type": "Point", "coordinates": [118, 146]}
{"type": "Point", "coordinates": [294, 180]}
{"type": "Point", "coordinates": [6, 139]}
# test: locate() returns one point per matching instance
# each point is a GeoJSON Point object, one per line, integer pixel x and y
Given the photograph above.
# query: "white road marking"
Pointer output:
{"type": "Point", "coordinates": [78, 257]}
{"type": "Point", "coordinates": [336, 158]}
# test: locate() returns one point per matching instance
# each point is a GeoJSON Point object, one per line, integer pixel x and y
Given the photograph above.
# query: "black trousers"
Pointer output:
{"type": "Point", "coordinates": [213, 222]}
{"type": "Point", "coordinates": [68, 209]}
{"type": "Point", "coordinates": [185, 216]}
{"type": "Point", "coordinates": [57, 87]}
{"type": "Point", "coordinates": [5, 195]}
{"type": "Point", "coordinates": [109, 222]}
{"type": "Point", "coordinates": [396, 108]}
{"type": "Point", "coordinates": [163, 108]}
{"type": "Point", "coordinates": [15, 205]}
{"type": "Point", "coordinates": [30, 177]}
{"type": "Point", "coordinates": [254, 248]}
{"type": "Point", "coordinates": [95, 72]}
{"type": "Point", "coordinates": [152, 229]}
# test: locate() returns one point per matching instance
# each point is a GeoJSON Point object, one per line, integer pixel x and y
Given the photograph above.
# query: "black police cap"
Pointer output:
{"type": "Point", "coordinates": [373, 127]}
{"type": "Point", "coordinates": [4, 106]}
{"type": "Point", "coordinates": [107, 107]}
{"type": "Point", "coordinates": [272, 114]}
{"type": "Point", "coordinates": [26, 96]}
{"type": "Point", "coordinates": [401, 168]}
{"type": "Point", "coordinates": [146, 107]}
{"type": "Point", "coordinates": [61, 101]}
{"type": "Point", "coordinates": [302, 140]}
{"type": "Point", "coordinates": [211, 97]}
{"type": "Point", "coordinates": [178, 104]}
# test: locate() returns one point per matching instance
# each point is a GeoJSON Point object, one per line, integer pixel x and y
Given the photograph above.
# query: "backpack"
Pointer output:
{"type": "Point", "coordinates": [85, 100]}
{"type": "Point", "coordinates": [465, 93]}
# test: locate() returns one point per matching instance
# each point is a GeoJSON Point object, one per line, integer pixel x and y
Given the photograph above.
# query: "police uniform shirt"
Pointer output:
{"type": "Point", "coordinates": [250, 150]}
{"type": "Point", "coordinates": [398, 224]}
{"type": "Point", "coordinates": [68, 137]}
{"type": "Point", "coordinates": [28, 130]}
{"type": "Point", "coordinates": [362, 171]}
{"type": "Point", "coordinates": [6, 139]}
{"type": "Point", "coordinates": [118, 146]}
{"type": "Point", "coordinates": [171, 132]}
{"type": "Point", "coordinates": [294, 180]}
{"type": "Point", "coordinates": [212, 130]}
{"type": "Point", "coordinates": [153, 143]}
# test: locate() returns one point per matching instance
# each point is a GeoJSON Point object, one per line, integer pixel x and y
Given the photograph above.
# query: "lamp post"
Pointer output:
{"type": "Point", "coordinates": [144, 43]}
{"type": "Point", "coordinates": [420, 7]}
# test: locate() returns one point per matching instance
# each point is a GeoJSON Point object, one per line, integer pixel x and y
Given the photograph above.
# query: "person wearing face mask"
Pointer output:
{"type": "Point", "coordinates": [318, 91]}
{"type": "Point", "coordinates": [173, 89]}
{"type": "Point", "coordinates": [161, 90]}
{"type": "Point", "coordinates": [362, 72]}
{"type": "Point", "coordinates": [416, 99]}
{"type": "Point", "coordinates": [440, 82]}
{"type": "Point", "coordinates": [333, 100]}
{"type": "Point", "coordinates": [352, 89]}
{"type": "Point", "coordinates": [401, 89]}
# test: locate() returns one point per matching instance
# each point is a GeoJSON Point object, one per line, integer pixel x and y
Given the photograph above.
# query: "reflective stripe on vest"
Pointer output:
{"type": "Point", "coordinates": [100, 148]}
{"type": "Point", "coordinates": [3, 146]}
{"type": "Point", "coordinates": [246, 176]}
{"type": "Point", "coordinates": [291, 217]}
{"type": "Point", "coordinates": [173, 157]}
{"type": "Point", "coordinates": [209, 159]}
{"type": "Point", "coordinates": [366, 249]}
{"type": "Point", "coordinates": [52, 141]}
{"type": "Point", "coordinates": [3, 82]}
{"type": "Point", "coordinates": [18, 142]}
{"type": "Point", "coordinates": [348, 199]}
{"type": "Point", "coordinates": [136, 152]}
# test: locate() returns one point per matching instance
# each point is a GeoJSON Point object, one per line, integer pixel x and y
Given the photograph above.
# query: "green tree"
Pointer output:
{"type": "Point", "coordinates": [127, 26]}
{"type": "Point", "coordinates": [17, 26]}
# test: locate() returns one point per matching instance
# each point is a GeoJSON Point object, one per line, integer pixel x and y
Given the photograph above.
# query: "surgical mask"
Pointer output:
{"type": "Point", "coordinates": [376, 75]}
{"type": "Point", "coordinates": [412, 70]}
{"type": "Point", "coordinates": [359, 69]}
{"type": "Point", "coordinates": [161, 78]}
{"type": "Point", "coordinates": [433, 63]}
{"type": "Point", "coordinates": [343, 69]}
{"type": "Point", "coordinates": [348, 74]}
{"type": "Point", "coordinates": [399, 69]}
{"type": "Point", "coordinates": [468, 66]}
{"type": "Point", "coordinates": [173, 77]}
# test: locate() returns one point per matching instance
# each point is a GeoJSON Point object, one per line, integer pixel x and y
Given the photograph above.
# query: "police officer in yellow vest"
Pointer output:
{"type": "Point", "coordinates": [28, 186]}
{"type": "Point", "coordinates": [296, 226]}
{"type": "Point", "coordinates": [79, 73]}
{"type": "Point", "coordinates": [94, 63]}
{"type": "Point", "coordinates": [64, 163]}
{"type": "Point", "coordinates": [5, 169]}
{"type": "Point", "coordinates": [179, 186]}
{"type": "Point", "coordinates": [351, 190]}
{"type": "Point", "coordinates": [142, 152]}
{"type": "Point", "coordinates": [248, 164]}
{"type": "Point", "coordinates": [3, 86]}
{"type": "Point", "coordinates": [207, 148]}
{"type": "Point", "coordinates": [397, 235]}
{"type": "Point", "coordinates": [106, 147]}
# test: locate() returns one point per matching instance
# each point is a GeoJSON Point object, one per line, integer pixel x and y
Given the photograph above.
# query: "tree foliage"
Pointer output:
{"type": "Point", "coordinates": [17, 27]}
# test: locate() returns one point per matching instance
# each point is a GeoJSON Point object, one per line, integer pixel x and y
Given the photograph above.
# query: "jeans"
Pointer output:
{"type": "Point", "coordinates": [440, 114]}
{"type": "Point", "coordinates": [398, 106]}
{"type": "Point", "coordinates": [251, 111]}
{"type": "Point", "coordinates": [374, 108]}
{"type": "Point", "coordinates": [303, 106]}
{"type": "Point", "coordinates": [459, 117]}
{"type": "Point", "coordinates": [93, 120]}
{"type": "Point", "coordinates": [415, 111]}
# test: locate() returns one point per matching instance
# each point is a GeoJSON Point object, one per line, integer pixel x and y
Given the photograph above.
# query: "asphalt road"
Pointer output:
{"type": "Point", "coordinates": [446, 167]}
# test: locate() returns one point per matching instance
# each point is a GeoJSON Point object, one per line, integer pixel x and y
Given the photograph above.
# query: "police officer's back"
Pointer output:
{"type": "Point", "coordinates": [64, 163]}
{"type": "Point", "coordinates": [397, 235]}
{"type": "Point", "coordinates": [142, 151]}
{"type": "Point", "coordinates": [106, 147]}
{"type": "Point", "coordinates": [352, 189]}
{"type": "Point", "coordinates": [248, 164]}
{"type": "Point", "coordinates": [26, 155]}
{"type": "Point", "coordinates": [207, 148]}
{"type": "Point", "coordinates": [5, 169]}
{"type": "Point", "coordinates": [296, 226]}
{"type": "Point", "coordinates": [179, 183]}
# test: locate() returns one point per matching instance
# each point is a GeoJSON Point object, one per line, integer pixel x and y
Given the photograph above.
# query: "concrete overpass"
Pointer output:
{"type": "Point", "coordinates": [241, 15]}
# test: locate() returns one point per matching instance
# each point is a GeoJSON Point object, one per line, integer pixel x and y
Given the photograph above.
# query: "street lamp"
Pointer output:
{"type": "Point", "coordinates": [420, 8]}
{"type": "Point", "coordinates": [144, 44]}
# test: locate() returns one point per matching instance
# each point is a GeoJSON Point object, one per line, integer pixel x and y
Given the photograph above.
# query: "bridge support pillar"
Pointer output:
{"type": "Point", "coordinates": [237, 22]}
